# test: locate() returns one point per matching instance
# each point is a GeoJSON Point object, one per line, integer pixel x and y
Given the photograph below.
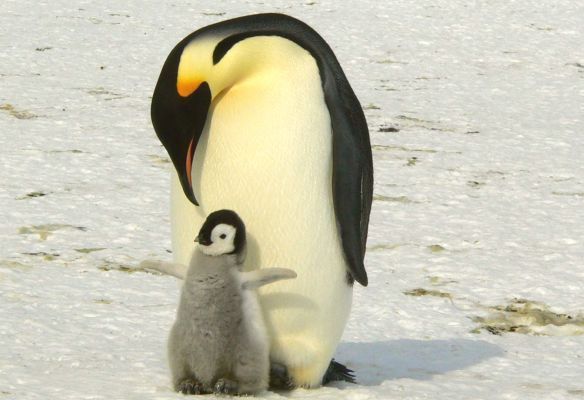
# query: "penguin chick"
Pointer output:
{"type": "Point", "coordinates": [218, 342]}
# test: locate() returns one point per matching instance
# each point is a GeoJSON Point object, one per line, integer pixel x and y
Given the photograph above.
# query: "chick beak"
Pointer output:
{"type": "Point", "coordinates": [203, 241]}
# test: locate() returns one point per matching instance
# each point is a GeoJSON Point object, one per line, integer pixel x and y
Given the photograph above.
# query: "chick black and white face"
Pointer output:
{"type": "Point", "coordinates": [222, 233]}
{"type": "Point", "coordinates": [222, 241]}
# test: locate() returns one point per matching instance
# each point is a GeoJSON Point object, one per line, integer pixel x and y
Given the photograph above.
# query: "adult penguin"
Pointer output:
{"type": "Point", "coordinates": [258, 117]}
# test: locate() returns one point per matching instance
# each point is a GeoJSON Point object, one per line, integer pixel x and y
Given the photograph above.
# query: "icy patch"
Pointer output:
{"type": "Point", "coordinates": [32, 195]}
{"type": "Point", "coordinates": [10, 264]}
{"type": "Point", "coordinates": [44, 231]}
{"type": "Point", "coordinates": [16, 113]}
{"type": "Point", "coordinates": [87, 250]}
{"type": "Point", "coordinates": [115, 266]}
{"type": "Point", "coordinates": [418, 292]}
{"type": "Point", "coordinates": [531, 318]}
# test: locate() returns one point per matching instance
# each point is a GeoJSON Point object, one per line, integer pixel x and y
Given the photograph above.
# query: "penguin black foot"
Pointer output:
{"type": "Point", "coordinates": [191, 386]}
{"type": "Point", "coordinates": [279, 378]}
{"type": "Point", "coordinates": [338, 372]}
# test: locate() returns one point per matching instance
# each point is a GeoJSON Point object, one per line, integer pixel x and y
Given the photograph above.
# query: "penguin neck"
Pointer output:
{"type": "Point", "coordinates": [258, 58]}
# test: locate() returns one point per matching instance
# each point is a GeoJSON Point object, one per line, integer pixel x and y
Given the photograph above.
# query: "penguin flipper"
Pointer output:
{"type": "Point", "coordinates": [260, 277]}
{"type": "Point", "coordinates": [352, 170]}
{"type": "Point", "coordinates": [177, 270]}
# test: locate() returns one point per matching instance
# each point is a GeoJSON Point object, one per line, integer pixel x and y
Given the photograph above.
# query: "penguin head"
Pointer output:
{"type": "Point", "coordinates": [206, 64]}
{"type": "Point", "coordinates": [223, 232]}
{"type": "Point", "coordinates": [190, 79]}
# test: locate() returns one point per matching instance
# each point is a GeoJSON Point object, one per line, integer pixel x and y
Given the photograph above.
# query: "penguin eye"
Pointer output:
{"type": "Point", "coordinates": [223, 236]}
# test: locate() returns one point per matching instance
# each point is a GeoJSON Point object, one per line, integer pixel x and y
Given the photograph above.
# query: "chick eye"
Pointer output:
{"type": "Point", "coordinates": [223, 236]}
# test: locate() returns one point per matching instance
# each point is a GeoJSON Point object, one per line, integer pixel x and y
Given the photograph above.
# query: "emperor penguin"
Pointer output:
{"type": "Point", "coordinates": [257, 116]}
{"type": "Point", "coordinates": [218, 342]}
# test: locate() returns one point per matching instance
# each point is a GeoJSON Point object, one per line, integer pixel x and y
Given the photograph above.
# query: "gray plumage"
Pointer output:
{"type": "Point", "coordinates": [218, 342]}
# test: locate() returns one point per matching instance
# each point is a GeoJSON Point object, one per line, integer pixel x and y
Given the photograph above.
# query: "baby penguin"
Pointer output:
{"type": "Point", "coordinates": [218, 342]}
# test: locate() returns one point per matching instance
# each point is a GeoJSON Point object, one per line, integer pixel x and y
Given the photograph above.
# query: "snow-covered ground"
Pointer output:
{"type": "Point", "coordinates": [476, 112]}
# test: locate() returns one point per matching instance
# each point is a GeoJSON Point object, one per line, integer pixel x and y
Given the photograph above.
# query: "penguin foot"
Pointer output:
{"type": "Point", "coordinates": [279, 378]}
{"type": "Point", "coordinates": [338, 372]}
{"type": "Point", "coordinates": [225, 386]}
{"type": "Point", "coordinates": [191, 386]}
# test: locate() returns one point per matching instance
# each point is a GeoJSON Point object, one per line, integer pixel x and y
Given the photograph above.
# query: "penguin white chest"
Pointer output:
{"type": "Point", "coordinates": [266, 152]}
{"type": "Point", "coordinates": [265, 142]}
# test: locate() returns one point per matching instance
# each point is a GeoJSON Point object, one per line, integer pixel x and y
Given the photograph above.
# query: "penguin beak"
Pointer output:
{"type": "Point", "coordinates": [186, 85]}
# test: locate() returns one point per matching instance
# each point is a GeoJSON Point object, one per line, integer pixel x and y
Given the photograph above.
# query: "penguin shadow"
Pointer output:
{"type": "Point", "coordinates": [377, 362]}
{"type": "Point", "coordinates": [253, 256]}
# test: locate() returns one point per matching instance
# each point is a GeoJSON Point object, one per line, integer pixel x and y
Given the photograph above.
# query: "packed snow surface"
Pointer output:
{"type": "Point", "coordinates": [476, 246]}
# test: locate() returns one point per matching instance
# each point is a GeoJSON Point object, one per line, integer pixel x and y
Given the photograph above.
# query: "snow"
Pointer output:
{"type": "Point", "coordinates": [479, 196]}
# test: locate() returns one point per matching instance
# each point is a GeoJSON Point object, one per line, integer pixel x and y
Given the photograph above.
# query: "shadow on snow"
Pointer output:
{"type": "Point", "coordinates": [377, 362]}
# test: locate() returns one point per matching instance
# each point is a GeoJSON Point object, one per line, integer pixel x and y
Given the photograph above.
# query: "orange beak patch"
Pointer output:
{"type": "Point", "coordinates": [189, 162]}
{"type": "Point", "coordinates": [186, 86]}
